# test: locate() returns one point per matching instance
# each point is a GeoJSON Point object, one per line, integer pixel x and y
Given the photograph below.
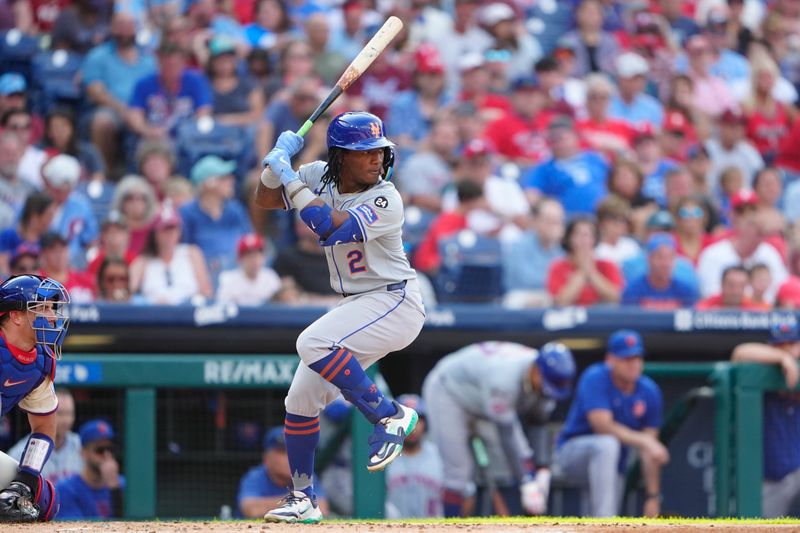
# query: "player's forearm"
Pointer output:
{"type": "Point", "coordinates": [269, 198]}
{"type": "Point", "coordinates": [626, 435]}
{"type": "Point", "coordinates": [754, 352]}
{"type": "Point", "coordinates": [45, 425]}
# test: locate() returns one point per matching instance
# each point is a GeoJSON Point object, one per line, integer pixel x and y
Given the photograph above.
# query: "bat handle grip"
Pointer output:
{"type": "Point", "coordinates": [304, 128]}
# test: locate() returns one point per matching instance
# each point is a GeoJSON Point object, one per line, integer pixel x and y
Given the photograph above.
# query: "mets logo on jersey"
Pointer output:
{"type": "Point", "coordinates": [367, 213]}
{"type": "Point", "coordinates": [375, 129]}
{"type": "Point", "coordinates": [639, 408]}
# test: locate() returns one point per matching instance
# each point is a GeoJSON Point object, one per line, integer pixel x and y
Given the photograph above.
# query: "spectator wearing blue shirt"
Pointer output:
{"type": "Point", "coordinates": [264, 486]}
{"type": "Point", "coordinates": [781, 484]}
{"type": "Point", "coordinates": [74, 217]}
{"type": "Point", "coordinates": [527, 259]}
{"type": "Point", "coordinates": [574, 177]}
{"type": "Point", "coordinates": [660, 288]}
{"type": "Point", "coordinates": [95, 493]}
{"type": "Point", "coordinates": [653, 164]}
{"type": "Point", "coordinates": [162, 100]}
{"type": "Point", "coordinates": [110, 73]}
{"type": "Point", "coordinates": [614, 407]}
{"type": "Point", "coordinates": [215, 221]}
{"type": "Point", "coordinates": [632, 104]}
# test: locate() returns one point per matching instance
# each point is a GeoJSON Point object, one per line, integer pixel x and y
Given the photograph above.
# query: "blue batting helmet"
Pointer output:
{"type": "Point", "coordinates": [46, 299]}
{"type": "Point", "coordinates": [557, 366]}
{"type": "Point", "coordinates": [357, 130]}
{"type": "Point", "coordinates": [784, 332]}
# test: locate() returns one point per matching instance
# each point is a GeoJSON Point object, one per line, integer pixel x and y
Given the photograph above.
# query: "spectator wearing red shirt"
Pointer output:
{"type": "Point", "coordinates": [735, 280]}
{"type": "Point", "coordinates": [580, 278]}
{"type": "Point", "coordinates": [788, 296]}
{"type": "Point", "coordinates": [518, 135]}
{"type": "Point", "coordinates": [54, 262]}
{"type": "Point", "coordinates": [475, 87]}
{"type": "Point", "coordinates": [768, 120]}
{"type": "Point", "coordinates": [597, 130]}
{"type": "Point", "coordinates": [470, 197]}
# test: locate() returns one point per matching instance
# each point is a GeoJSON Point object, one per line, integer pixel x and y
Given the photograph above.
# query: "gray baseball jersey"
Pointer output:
{"type": "Point", "coordinates": [63, 462]}
{"type": "Point", "coordinates": [379, 260]}
{"type": "Point", "coordinates": [414, 484]}
{"type": "Point", "coordinates": [488, 380]}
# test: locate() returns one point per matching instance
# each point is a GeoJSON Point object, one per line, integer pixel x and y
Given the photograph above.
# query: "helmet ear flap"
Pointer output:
{"type": "Point", "coordinates": [388, 162]}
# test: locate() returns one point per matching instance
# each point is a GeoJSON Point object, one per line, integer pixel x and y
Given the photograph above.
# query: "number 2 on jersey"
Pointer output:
{"type": "Point", "coordinates": [355, 258]}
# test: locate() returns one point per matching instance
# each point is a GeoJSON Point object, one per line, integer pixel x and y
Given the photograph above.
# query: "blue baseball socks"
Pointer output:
{"type": "Point", "coordinates": [343, 370]}
{"type": "Point", "coordinates": [302, 437]}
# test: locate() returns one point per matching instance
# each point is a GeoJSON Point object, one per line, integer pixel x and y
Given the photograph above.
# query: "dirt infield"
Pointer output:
{"type": "Point", "coordinates": [396, 527]}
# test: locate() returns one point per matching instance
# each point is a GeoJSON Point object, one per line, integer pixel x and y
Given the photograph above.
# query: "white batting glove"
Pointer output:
{"type": "Point", "coordinates": [534, 493]}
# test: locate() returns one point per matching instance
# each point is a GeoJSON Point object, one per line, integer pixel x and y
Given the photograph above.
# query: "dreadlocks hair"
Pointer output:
{"type": "Point", "coordinates": [333, 169]}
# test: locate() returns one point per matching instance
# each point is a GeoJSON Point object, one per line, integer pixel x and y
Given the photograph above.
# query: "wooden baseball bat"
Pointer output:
{"type": "Point", "coordinates": [360, 64]}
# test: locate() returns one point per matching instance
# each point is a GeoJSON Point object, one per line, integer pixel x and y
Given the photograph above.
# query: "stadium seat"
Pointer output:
{"type": "Point", "coordinates": [16, 52]}
{"type": "Point", "coordinates": [198, 138]}
{"type": "Point", "coordinates": [415, 226]}
{"type": "Point", "coordinates": [55, 79]}
{"type": "Point", "coordinates": [471, 269]}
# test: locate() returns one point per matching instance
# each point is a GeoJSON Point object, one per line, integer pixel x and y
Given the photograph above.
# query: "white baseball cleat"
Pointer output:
{"type": "Point", "coordinates": [386, 442]}
{"type": "Point", "coordinates": [296, 507]}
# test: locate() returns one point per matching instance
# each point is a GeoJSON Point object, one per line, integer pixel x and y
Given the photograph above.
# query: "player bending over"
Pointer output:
{"type": "Point", "coordinates": [358, 216]}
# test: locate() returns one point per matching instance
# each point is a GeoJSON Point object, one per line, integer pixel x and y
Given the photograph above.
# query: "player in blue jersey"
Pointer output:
{"type": "Point", "coordinates": [33, 325]}
{"type": "Point", "coordinates": [96, 492]}
{"type": "Point", "coordinates": [781, 418]}
{"type": "Point", "coordinates": [615, 407]}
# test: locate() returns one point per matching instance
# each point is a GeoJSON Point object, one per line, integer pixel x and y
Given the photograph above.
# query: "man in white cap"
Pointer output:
{"type": "Point", "coordinates": [632, 104]}
{"type": "Point", "coordinates": [74, 219]}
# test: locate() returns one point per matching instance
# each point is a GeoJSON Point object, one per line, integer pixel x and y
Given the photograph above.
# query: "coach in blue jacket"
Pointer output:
{"type": "Point", "coordinates": [615, 408]}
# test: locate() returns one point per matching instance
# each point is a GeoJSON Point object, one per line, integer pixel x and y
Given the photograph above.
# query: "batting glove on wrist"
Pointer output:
{"type": "Point", "coordinates": [279, 162]}
{"type": "Point", "coordinates": [291, 142]}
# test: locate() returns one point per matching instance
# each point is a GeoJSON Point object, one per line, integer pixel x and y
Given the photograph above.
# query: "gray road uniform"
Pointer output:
{"type": "Point", "coordinates": [382, 309]}
{"type": "Point", "coordinates": [489, 381]}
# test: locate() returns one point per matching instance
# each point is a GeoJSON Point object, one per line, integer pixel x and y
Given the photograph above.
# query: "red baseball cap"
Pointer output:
{"type": "Point", "coordinates": [168, 217]}
{"type": "Point", "coordinates": [789, 293]}
{"type": "Point", "coordinates": [676, 122]}
{"type": "Point", "coordinates": [249, 243]}
{"type": "Point", "coordinates": [730, 116]}
{"type": "Point", "coordinates": [428, 60]}
{"type": "Point", "coordinates": [477, 148]}
{"type": "Point", "coordinates": [743, 198]}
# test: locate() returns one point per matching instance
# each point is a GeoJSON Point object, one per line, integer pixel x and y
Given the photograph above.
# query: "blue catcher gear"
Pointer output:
{"type": "Point", "coordinates": [784, 332]}
{"type": "Point", "coordinates": [557, 366]}
{"type": "Point", "coordinates": [359, 130]}
{"type": "Point", "coordinates": [46, 299]}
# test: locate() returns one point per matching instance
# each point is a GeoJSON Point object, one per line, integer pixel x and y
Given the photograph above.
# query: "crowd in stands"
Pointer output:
{"type": "Point", "coordinates": [576, 152]}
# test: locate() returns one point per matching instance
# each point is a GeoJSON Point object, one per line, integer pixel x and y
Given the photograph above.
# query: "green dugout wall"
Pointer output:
{"type": "Point", "coordinates": [738, 424]}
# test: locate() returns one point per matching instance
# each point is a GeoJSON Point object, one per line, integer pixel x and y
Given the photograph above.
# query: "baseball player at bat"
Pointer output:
{"type": "Point", "coordinates": [499, 382]}
{"type": "Point", "coordinates": [358, 216]}
{"type": "Point", "coordinates": [32, 327]}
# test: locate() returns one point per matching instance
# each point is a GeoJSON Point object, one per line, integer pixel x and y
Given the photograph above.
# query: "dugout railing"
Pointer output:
{"type": "Point", "coordinates": [737, 419]}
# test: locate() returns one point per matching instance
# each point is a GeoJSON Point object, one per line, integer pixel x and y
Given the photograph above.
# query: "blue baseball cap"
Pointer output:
{"type": "Point", "coordinates": [12, 83]}
{"type": "Point", "coordinates": [658, 240]}
{"type": "Point", "coordinates": [274, 438]}
{"type": "Point", "coordinates": [209, 167]}
{"type": "Point", "coordinates": [784, 332]}
{"type": "Point", "coordinates": [95, 430]}
{"type": "Point", "coordinates": [625, 343]}
{"type": "Point", "coordinates": [523, 83]}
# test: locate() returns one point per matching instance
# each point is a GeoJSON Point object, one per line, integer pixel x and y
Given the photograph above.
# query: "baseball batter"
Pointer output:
{"type": "Point", "coordinates": [496, 381]}
{"type": "Point", "coordinates": [32, 328]}
{"type": "Point", "coordinates": [358, 216]}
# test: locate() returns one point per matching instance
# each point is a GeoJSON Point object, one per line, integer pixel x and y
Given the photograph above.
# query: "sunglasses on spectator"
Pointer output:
{"type": "Point", "coordinates": [103, 449]}
{"type": "Point", "coordinates": [19, 126]}
{"type": "Point", "coordinates": [690, 212]}
{"type": "Point", "coordinates": [119, 278]}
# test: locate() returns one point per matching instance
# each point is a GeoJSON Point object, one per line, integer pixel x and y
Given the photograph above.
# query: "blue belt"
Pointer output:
{"type": "Point", "coordinates": [393, 287]}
